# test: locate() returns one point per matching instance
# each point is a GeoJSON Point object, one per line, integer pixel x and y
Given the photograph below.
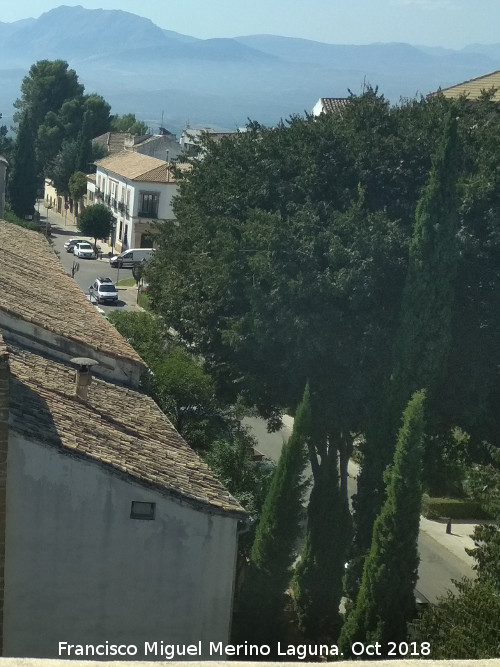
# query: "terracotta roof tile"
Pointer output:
{"type": "Point", "coordinates": [116, 427]}
{"type": "Point", "coordinates": [35, 287]}
{"type": "Point", "coordinates": [137, 167]}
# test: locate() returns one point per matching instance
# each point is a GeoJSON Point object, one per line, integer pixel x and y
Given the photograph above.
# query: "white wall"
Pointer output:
{"type": "Point", "coordinates": [78, 569]}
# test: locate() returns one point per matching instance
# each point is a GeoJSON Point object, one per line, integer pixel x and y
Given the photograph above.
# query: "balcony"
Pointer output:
{"type": "Point", "coordinates": [147, 214]}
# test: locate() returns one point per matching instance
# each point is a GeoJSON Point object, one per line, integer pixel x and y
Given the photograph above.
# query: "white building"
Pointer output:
{"type": "Point", "coordinates": [111, 527]}
{"type": "Point", "coordinates": [139, 190]}
{"type": "Point", "coordinates": [330, 105]}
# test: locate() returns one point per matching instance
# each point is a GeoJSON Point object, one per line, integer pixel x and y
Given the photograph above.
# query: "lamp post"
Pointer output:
{"type": "Point", "coordinates": [47, 207]}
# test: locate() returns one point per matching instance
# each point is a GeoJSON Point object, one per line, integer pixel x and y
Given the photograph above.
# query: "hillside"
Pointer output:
{"type": "Point", "coordinates": [219, 82]}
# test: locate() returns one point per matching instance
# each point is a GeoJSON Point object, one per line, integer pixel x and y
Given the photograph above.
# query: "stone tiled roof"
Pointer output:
{"type": "Point", "coordinates": [113, 142]}
{"type": "Point", "coordinates": [473, 88]}
{"type": "Point", "coordinates": [35, 288]}
{"type": "Point", "coordinates": [116, 427]}
{"type": "Point", "coordinates": [138, 167]}
{"type": "Point", "coordinates": [334, 104]}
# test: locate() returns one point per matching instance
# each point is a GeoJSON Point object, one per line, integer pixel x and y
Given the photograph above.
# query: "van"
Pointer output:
{"type": "Point", "coordinates": [128, 258]}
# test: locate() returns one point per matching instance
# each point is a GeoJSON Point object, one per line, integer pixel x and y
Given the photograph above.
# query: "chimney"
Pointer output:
{"type": "Point", "coordinates": [83, 376]}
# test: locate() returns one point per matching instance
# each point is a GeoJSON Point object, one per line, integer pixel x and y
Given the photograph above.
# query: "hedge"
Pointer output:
{"type": "Point", "coordinates": [452, 508]}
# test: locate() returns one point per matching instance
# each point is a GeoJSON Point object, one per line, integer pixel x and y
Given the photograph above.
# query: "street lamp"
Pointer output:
{"type": "Point", "coordinates": [48, 207]}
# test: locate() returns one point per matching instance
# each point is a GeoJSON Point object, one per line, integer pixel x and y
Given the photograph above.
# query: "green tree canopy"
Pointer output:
{"type": "Point", "coordinates": [95, 221]}
{"type": "Point", "coordinates": [77, 185]}
{"type": "Point", "coordinates": [46, 87]}
{"type": "Point", "coordinates": [128, 123]}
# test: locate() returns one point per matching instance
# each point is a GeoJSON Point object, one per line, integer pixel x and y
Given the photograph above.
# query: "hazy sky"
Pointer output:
{"type": "Point", "coordinates": [450, 23]}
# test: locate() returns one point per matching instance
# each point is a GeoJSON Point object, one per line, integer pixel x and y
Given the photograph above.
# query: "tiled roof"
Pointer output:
{"type": "Point", "coordinates": [35, 287]}
{"type": "Point", "coordinates": [112, 141]}
{"type": "Point", "coordinates": [473, 88]}
{"type": "Point", "coordinates": [334, 104]}
{"type": "Point", "coordinates": [138, 167]}
{"type": "Point", "coordinates": [116, 427]}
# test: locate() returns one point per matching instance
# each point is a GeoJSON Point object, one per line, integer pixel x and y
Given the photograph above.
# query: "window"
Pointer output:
{"type": "Point", "coordinates": [148, 205]}
{"type": "Point", "coordinates": [141, 510]}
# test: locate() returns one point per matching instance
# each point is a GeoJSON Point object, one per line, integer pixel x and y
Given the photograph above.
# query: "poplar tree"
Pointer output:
{"type": "Point", "coordinates": [386, 599]}
{"type": "Point", "coordinates": [262, 598]}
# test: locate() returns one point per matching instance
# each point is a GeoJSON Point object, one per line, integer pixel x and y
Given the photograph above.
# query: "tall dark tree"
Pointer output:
{"type": "Point", "coordinates": [22, 183]}
{"type": "Point", "coordinates": [83, 157]}
{"type": "Point", "coordinates": [317, 583]}
{"type": "Point", "coordinates": [5, 141]}
{"type": "Point", "coordinates": [423, 341]}
{"type": "Point", "coordinates": [281, 255]}
{"type": "Point", "coordinates": [386, 599]}
{"type": "Point", "coordinates": [46, 87]}
{"type": "Point", "coordinates": [262, 600]}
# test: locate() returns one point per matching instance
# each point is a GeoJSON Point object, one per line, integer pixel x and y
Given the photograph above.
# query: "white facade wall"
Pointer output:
{"type": "Point", "coordinates": [129, 228]}
{"type": "Point", "coordinates": [79, 569]}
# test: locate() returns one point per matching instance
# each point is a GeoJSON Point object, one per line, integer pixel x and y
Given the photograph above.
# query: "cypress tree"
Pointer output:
{"type": "Point", "coordinates": [423, 340]}
{"type": "Point", "coordinates": [22, 185]}
{"type": "Point", "coordinates": [317, 583]}
{"type": "Point", "coordinates": [262, 598]}
{"type": "Point", "coordinates": [83, 158]}
{"type": "Point", "coordinates": [386, 600]}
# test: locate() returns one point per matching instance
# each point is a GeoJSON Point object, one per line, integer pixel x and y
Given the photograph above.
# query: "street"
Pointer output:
{"type": "Point", "coordinates": [89, 269]}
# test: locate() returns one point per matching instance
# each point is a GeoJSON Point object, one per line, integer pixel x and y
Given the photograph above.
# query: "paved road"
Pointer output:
{"type": "Point", "coordinates": [89, 269]}
{"type": "Point", "coordinates": [438, 567]}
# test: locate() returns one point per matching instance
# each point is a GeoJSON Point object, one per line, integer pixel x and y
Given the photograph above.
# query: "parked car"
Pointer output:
{"type": "Point", "coordinates": [84, 249]}
{"type": "Point", "coordinates": [69, 246]}
{"type": "Point", "coordinates": [128, 258]}
{"type": "Point", "coordinates": [103, 290]}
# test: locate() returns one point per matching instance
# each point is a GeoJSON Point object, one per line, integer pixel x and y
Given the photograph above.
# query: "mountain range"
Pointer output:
{"type": "Point", "coordinates": [222, 82]}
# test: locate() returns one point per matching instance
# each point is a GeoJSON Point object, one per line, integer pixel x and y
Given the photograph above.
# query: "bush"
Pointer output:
{"type": "Point", "coordinates": [452, 508]}
{"type": "Point", "coordinates": [11, 217]}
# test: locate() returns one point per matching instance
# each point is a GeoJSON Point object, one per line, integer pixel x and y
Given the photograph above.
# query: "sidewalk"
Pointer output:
{"type": "Point", "coordinates": [455, 543]}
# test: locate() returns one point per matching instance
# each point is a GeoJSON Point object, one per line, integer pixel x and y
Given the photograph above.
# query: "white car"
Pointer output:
{"type": "Point", "coordinates": [69, 246]}
{"type": "Point", "coordinates": [84, 249]}
{"type": "Point", "coordinates": [103, 290]}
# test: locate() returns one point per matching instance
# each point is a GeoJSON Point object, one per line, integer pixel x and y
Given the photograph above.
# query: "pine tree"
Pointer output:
{"type": "Point", "coordinates": [386, 601]}
{"type": "Point", "coordinates": [22, 185]}
{"type": "Point", "coordinates": [262, 598]}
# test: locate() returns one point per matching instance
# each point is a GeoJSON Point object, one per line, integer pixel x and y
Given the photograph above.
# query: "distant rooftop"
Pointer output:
{"type": "Point", "coordinates": [138, 167]}
{"type": "Point", "coordinates": [330, 105]}
{"type": "Point", "coordinates": [473, 88]}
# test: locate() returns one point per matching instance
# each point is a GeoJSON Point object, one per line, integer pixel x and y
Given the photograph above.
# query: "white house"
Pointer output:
{"type": "Point", "coordinates": [330, 105]}
{"type": "Point", "coordinates": [139, 190]}
{"type": "Point", "coordinates": [111, 527]}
